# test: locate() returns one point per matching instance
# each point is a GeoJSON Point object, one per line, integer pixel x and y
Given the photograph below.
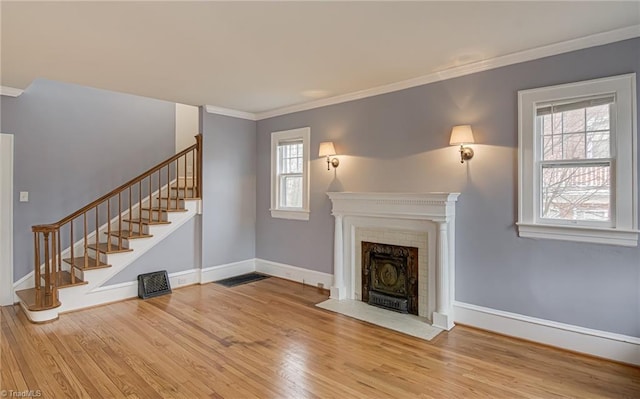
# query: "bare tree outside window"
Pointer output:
{"type": "Point", "coordinates": [290, 168]}
{"type": "Point", "coordinates": [576, 161]}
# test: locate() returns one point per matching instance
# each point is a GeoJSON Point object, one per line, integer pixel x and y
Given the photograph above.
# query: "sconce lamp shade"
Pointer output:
{"type": "Point", "coordinates": [461, 134]}
{"type": "Point", "coordinates": [327, 149]}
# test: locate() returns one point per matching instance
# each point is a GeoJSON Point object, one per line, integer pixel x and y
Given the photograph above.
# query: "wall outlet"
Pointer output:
{"type": "Point", "coordinates": [24, 196]}
{"type": "Point", "coordinates": [182, 281]}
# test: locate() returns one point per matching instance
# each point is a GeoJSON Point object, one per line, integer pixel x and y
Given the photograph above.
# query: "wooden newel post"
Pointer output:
{"type": "Point", "coordinates": [199, 167]}
{"type": "Point", "coordinates": [49, 233]}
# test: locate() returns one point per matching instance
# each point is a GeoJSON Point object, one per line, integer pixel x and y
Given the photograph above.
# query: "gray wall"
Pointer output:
{"type": "Point", "coordinates": [74, 144]}
{"type": "Point", "coordinates": [177, 252]}
{"type": "Point", "coordinates": [229, 189]}
{"type": "Point", "coordinates": [399, 142]}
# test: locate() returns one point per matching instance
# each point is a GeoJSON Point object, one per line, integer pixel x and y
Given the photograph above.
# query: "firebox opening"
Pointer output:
{"type": "Point", "coordinates": [390, 277]}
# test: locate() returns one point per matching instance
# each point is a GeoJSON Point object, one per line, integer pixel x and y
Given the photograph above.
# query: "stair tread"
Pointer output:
{"type": "Point", "coordinates": [64, 280]}
{"type": "Point", "coordinates": [79, 263]}
{"type": "Point", "coordinates": [30, 299]}
{"type": "Point", "coordinates": [104, 248]}
{"type": "Point", "coordinates": [147, 221]}
{"type": "Point", "coordinates": [165, 209]}
{"type": "Point", "coordinates": [129, 235]}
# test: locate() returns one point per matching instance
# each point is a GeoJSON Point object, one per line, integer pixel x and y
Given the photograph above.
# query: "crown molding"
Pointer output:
{"type": "Point", "coordinates": [10, 91]}
{"type": "Point", "coordinates": [230, 112]}
{"type": "Point", "coordinates": [597, 39]}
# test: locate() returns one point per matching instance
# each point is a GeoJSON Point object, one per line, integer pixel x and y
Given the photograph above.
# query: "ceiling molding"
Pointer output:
{"type": "Point", "coordinates": [10, 91]}
{"type": "Point", "coordinates": [230, 112]}
{"type": "Point", "coordinates": [480, 66]}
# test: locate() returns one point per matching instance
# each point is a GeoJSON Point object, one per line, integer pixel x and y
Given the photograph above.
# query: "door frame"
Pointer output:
{"type": "Point", "coordinates": [6, 219]}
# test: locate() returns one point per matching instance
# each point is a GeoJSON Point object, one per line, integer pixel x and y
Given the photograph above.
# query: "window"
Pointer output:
{"type": "Point", "coordinates": [290, 174]}
{"type": "Point", "coordinates": [577, 162]}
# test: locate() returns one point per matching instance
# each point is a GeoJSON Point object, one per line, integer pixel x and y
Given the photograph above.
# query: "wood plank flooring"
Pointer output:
{"type": "Point", "coordinates": [267, 340]}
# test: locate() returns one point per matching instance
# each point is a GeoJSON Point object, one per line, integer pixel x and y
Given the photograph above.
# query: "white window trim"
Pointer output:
{"type": "Point", "coordinates": [290, 213]}
{"type": "Point", "coordinates": [624, 229]}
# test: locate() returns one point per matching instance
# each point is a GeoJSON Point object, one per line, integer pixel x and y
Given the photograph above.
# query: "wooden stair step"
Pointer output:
{"type": "Point", "coordinates": [105, 249]}
{"type": "Point", "coordinates": [147, 221]}
{"type": "Point", "coordinates": [91, 263]}
{"type": "Point", "coordinates": [33, 300]}
{"type": "Point", "coordinates": [64, 280]}
{"type": "Point", "coordinates": [164, 209]}
{"type": "Point", "coordinates": [129, 235]}
{"type": "Point", "coordinates": [181, 198]}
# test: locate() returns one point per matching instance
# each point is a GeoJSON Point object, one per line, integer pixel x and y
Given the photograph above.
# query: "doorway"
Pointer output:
{"type": "Point", "coordinates": [6, 219]}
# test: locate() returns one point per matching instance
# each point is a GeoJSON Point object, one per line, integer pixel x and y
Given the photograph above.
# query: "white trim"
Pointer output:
{"type": "Point", "coordinates": [285, 214]}
{"type": "Point", "coordinates": [618, 347]}
{"type": "Point", "coordinates": [294, 273]}
{"type": "Point", "coordinates": [220, 272]}
{"type": "Point", "coordinates": [6, 219]}
{"type": "Point", "coordinates": [625, 238]}
{"type": "Point", "coordinates": [10, 91]}
{"type": "Point", "coordinates": [211, 109]}
{"type": "Point", "coordinates": [597, 39]}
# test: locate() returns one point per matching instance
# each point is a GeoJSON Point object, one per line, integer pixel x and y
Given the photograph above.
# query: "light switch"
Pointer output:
{"type": "Point", "coordinates": [24, 196]}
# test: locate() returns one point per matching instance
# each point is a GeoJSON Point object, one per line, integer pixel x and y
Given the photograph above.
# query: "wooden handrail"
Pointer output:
{"type": "Point", "coordinates": [130, 183]}
{"type": "Point", "coordinates": [48, 238]}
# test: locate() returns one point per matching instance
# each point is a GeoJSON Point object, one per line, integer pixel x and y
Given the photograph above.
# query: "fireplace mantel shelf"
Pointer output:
{"type": "Point", "coordinates": [433, 212]}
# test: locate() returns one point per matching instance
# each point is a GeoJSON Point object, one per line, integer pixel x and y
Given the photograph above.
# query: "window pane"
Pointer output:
{"type": "Point", "coordinates": [573, 121]}
{"type": "Point", "coordinates": [290, 158]}
{"type": "Point", "coordinates": [573, 146]}
{"type": "Point", "coordinates": [598, 145]}
{"type": "Point", "coordinates": [552, 147]}
{"type": "Point", "coordinates": [598, 118]}
{"type": "Point", "coordinates": [291, 191]}
{"type": "Point", "coordinates": [569, 134]}
{"type": "Point", "coordinates": [576, 192]}
{"type": "Point", "coordinates": [545, 121]}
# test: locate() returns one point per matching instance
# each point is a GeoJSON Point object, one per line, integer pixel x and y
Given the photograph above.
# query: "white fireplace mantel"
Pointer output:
{"type": "Point", "coordinates": [424, 212]}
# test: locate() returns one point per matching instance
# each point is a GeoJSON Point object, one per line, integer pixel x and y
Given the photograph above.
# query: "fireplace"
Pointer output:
{"type": "Point", "coordinates": [422, 220]}
{"type": "Point", "coordinates": [390, 277]}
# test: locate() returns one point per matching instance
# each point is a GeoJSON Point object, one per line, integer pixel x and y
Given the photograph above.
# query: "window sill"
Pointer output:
{"type": "Point", "coordinates": [293, 215]}
{"type": "Point", "coordinates": [625, 238]}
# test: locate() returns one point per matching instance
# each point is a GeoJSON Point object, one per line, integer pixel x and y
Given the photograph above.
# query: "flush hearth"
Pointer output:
{"type": "Point", "coordinates": [390, 276]}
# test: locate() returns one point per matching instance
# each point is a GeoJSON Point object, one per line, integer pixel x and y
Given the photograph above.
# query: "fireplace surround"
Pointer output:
{"type": "Point", "coordinates": [427, 214]}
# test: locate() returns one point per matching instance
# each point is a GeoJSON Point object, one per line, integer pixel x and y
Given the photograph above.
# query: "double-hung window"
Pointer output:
{"type": "Point", "coordinates": [577, 162]}
{"type": "Point", "coordinates": [290, 174]}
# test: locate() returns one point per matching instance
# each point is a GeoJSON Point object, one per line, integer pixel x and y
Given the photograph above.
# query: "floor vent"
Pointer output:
{"type": "Point", "coordinates": [153, 284]}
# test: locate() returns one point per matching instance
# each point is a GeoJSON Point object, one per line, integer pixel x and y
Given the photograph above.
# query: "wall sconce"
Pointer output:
{"type": "Point", "coordinates": [461, 135]}
{"type": "Point", "coordinates": [327, 150]}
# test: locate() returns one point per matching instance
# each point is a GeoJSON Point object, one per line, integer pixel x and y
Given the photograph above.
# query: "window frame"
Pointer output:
{"type": "Point", "coordinates": [294, 213]}
{"type": "Point", "coordinates": [623, 226]}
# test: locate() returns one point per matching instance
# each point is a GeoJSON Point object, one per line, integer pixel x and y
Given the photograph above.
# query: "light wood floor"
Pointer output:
{"type": "Point", "coordinates": [267, 340]}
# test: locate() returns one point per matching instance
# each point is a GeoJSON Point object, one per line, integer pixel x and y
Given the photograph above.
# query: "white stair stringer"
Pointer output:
{"type": "Point", "coordinates": [87, 295]}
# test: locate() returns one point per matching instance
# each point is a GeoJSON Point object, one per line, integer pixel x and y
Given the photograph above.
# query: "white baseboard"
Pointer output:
{"type": "Point", "coordinates": [215, 273]}
{"type": "Point", "coordinates": [294, 273]}
{"type": "Point", "coordinates": [129, 289]}
{"type": "Point", "coordinates": [618, 347]}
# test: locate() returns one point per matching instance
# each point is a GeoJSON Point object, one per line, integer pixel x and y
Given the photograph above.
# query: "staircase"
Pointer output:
{"type": "Point", "coordinates": [104, 237]}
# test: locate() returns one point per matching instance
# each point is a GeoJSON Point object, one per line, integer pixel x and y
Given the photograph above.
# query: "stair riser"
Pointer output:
{"type": "Point", "coordinates": [138, 228]}
{"type": "Point", "coordinates": [173, 203]}
{"type": "Point", "coordinates": [155, 215]}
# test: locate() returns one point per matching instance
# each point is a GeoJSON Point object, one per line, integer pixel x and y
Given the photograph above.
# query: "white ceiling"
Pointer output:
{"type": "Point", "coordinates": [261, 56]}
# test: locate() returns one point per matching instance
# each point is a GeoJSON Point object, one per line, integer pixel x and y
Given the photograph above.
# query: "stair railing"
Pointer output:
{"type": "Point", "coordinates": [182, 174]}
